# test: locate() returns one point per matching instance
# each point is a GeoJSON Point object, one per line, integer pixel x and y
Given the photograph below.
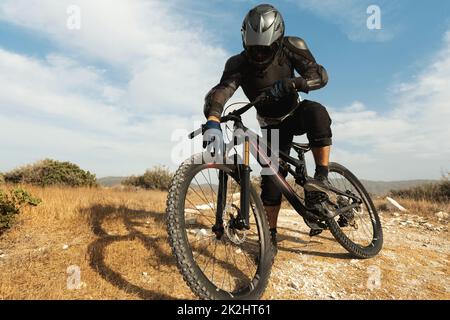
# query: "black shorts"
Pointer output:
{"type": "Point", "coordinates": [310, 118]}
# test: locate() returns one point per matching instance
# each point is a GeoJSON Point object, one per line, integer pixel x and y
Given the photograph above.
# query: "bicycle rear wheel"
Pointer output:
{"type": "Point", "coordinates": [359, 229]}
{"type": "Point", "coordinates": [225, 264]}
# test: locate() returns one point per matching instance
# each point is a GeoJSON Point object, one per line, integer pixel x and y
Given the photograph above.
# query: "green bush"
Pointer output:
{"type": "Point", "coordinates": [435, 192]}
{"type": "Point", "coordinates": [11, 202]}
{"type": "Point", "coordinates": [157, 178]}
{"type": "Point", "coordinates": [51, 172]}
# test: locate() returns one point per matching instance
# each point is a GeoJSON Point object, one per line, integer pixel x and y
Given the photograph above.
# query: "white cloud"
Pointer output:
{"type": "Point", "coordinates": [170, 62]}
{"type": "Point", "coordinates": [410, 141]}
{"type": "Point", "coordinates": [64, 108]}
{"type": "Point", "coordinates": [61, 107]}
{"type": "Point", "coordinates": [57, 108]}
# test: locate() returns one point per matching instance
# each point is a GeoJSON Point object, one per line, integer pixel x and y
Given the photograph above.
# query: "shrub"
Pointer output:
{"type": "Point", "coordinates": [11, 203]}
{"type": "Point", "coordinates": [157, 178]}
{"type": "Point", "coordinates": [435, 192]}
{"type": "Point", "coordinates": [51, 172]}
{"type": "Point", "coordinates": [2, 179]}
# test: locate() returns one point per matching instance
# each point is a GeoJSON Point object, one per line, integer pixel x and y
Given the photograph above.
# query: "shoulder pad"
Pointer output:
{"type": "Point", "coordinates": [235, 63]}
{"type": "Point", "coordinates": [297, 43]}
{"type": "Point", "coordinates": [296, 47]}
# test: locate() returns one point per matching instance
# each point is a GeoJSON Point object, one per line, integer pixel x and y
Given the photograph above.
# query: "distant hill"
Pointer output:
{"type": "Point", "coordinates": [110, 181]}
{"type": "Point", "coordinates": [377, 188]}
{"type": "Point", "coordinates": [382, 187]}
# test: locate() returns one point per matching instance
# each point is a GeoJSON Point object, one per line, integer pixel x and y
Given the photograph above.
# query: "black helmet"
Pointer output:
{"type": "Point", "coordinates": [262, 34]}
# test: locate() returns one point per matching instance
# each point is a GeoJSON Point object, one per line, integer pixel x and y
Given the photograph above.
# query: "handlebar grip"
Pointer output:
{"type": "Point", "coordinates": [195, 133]}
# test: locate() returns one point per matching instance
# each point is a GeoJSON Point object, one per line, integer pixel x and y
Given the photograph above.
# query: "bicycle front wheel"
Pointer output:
{"type": "Point", "coordinates": [225, 264]}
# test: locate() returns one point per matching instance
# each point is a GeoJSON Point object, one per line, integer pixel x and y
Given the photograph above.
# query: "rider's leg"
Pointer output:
{"type": "Point", "coordinates": [271, 197]}
{"type": "Point", "coordinates": [317, 124]}
{"type": "Point", "coordinates": [270, 193]}
{"type": "Point", "coordinates": [272, 215]}
{"type": "Point", "coordinates": [313, 119]}
{"type": "Point", "coordinates": [322, 159]}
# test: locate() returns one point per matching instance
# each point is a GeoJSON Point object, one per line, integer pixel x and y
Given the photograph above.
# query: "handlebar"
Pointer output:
{"type": "Point", "coordinates": [232, 116]}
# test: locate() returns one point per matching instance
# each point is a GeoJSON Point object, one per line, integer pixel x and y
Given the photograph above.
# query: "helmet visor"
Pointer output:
{"type": "Point", "coordinates": [261, 54]}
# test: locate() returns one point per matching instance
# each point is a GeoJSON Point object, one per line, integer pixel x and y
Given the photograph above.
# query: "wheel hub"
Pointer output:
{"type": "Point", "coordinates": [234, 234]}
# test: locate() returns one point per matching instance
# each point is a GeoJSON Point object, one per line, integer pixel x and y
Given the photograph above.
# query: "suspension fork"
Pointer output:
{"type": "Point", "coordinates": [244, 221]}
{"type": "Point", "coordinates": [221, 202]}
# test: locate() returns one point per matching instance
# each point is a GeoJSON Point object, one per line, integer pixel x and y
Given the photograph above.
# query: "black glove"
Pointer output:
{"type": "Point", "coordinates": [282, 88]}
{"type": "Point", "coordinates": [211, 132]}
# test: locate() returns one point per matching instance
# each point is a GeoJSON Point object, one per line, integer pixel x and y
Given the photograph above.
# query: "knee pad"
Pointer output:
{"type": "Point", "coordinates": [270, 194]}
{"type": "Point", "coordinates": [318, 125]}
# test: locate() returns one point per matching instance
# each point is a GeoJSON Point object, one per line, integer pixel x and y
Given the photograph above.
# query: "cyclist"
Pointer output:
{"type": "Point", "coordinates": [268, 64]}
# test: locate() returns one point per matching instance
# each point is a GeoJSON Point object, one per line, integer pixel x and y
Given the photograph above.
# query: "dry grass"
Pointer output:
{"type": "Point", "coordinates": [118, 240]}
{"type": "Point", "coordinates": [114, 236]}
{"type": "Point", "coordinates": [424, 208]}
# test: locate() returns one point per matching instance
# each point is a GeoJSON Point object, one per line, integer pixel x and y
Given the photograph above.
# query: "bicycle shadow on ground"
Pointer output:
{"type": "Point", "coordinates": [97, 215]}
{"type": "Point", "coordinates": [307, 244]}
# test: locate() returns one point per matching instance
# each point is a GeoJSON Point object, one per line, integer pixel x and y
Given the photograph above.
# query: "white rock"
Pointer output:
{"type": "Point", "coordinates": [191, 220]}
{"type": "Point", "coordinates": [294, 285]}
{"type": "Point", "coordinates": [2, 256]}
{"type": "Point", "coordinates": [208, 206]}
{"type": "Point", "coordinates": [333, 296]}
{"type": "Point", "coordinates": [202, 233]}
{"type": "Point", "coordinates": [442, 215]}
{"type": "Point", "coordinates": [145, 274]}
{"type": "Point", "coordinates": [65, 247]}
{"type": "Point", "coordinates": [395, 204]}
{"type": "Point", "coordinates": [238, 251]}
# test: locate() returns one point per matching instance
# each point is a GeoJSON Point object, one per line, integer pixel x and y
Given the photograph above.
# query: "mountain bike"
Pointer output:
{"type": "Point", "coordinates": [218, 228]}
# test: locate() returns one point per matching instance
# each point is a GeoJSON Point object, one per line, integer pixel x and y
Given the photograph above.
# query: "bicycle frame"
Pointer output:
{"type": "Point", "coordinates": [258, 152]}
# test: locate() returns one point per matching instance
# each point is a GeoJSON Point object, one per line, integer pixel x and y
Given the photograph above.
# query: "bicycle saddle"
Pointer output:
{"type": "Point", "coordinates": [301, 147]}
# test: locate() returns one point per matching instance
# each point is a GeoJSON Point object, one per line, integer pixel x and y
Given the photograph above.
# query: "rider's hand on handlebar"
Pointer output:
{"type": "Point", "coordinates": [282, 88]}
{"type": "Point", "coordinates": [211, 132]}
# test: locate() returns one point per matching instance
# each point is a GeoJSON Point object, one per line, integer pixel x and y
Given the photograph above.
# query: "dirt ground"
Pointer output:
{"type": "Point", "coordinates": [112, 244]}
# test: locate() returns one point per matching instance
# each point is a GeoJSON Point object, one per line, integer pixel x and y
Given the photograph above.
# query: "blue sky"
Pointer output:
{"type": "Point", "coordinates": [112, 95]}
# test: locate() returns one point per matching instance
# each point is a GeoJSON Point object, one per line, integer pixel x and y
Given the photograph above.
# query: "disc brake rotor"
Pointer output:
{"type": "Point", "coordinates": [236, 236]}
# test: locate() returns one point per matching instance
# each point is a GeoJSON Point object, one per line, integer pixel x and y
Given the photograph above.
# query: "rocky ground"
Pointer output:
{"type": "Point", "coordinates": [414, 263]}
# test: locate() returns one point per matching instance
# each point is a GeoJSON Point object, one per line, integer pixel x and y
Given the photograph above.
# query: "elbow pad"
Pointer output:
{"type": "Point", "coordinates": [319, 82]}
{"type": "Point", "coordinates": [212, 107]}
